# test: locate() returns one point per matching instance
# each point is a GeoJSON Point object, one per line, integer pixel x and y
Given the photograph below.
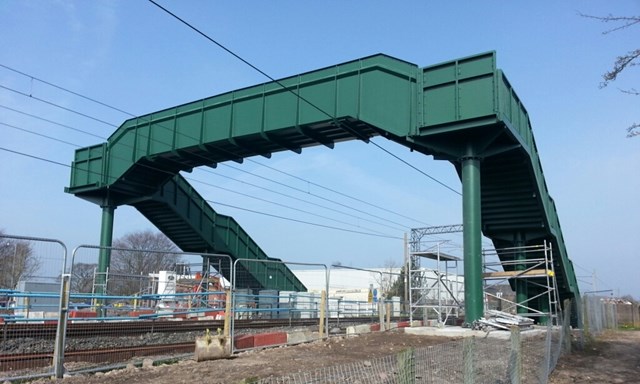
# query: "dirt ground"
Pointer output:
{"type": "Point", "coordinates": [266, 362]}
{"type": "Point", "coordinates": [612, 358]}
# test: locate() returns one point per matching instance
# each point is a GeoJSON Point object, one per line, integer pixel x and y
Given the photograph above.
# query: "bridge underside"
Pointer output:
{"type": "Point", "coordinates": [463, 111]}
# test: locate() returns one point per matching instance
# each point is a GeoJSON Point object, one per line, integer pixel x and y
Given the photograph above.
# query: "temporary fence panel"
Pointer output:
{"type": "Point", "coordinates": [253, 301]}
{"type": "Point", "coordinates": [354, 292]}
{"type": "Point", "coordinates": [148, 302]}
{"type": "Point", "coordinates": [31, 275]}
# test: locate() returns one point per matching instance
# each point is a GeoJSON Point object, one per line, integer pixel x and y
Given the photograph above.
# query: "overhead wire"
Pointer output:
{"type": "Point", "coordinates": [334, 191]}
{"type": "Point", "coordinates": [58, 106]}
{"type": "Point", "coordinates": [296, 94]}
{"type": "Point", "coordinates": [278, 204]}
{"type": "Point", "coordinates": [304, 200]}
{"type": "Point", "coordinates": [227, 189]}
{"type": "Point", "coordinates": [208, 184]}
{"type": "Point", "coordinates": [311, 194]}
{"type": "Point", "coordinates": [220, 203]}
{"type": "Point", "coordinates": [132, 115]}
{"type": "Point", "coordinates": [158, 169]}
{"type": "Point", "coordinates": [53, 122]}
{"type": "Point", "coordinates": [39, 134]}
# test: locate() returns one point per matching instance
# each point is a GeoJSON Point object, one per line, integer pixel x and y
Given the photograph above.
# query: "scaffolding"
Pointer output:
{"type": "Point", "coordinates": [433, 293]}
{"type": "Point", "coordinates": [529, 271]}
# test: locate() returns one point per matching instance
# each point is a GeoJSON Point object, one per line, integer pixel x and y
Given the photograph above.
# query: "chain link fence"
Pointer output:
{"type": "Point", "coordinates": [519, 358]}
{"type": "Point", "coordinates": [139, 313]}
{"type": "Point", "coordinates": [598, 314]}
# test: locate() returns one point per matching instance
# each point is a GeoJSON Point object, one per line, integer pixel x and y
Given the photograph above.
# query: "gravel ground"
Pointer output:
{"type": "Point", "coordinates": [36, 345]}
{"type": "Point", "coordinates": [262, 363]}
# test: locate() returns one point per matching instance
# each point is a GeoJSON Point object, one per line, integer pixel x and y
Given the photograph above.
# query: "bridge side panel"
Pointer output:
{"type": "Point", "coordinates": [379, 91]}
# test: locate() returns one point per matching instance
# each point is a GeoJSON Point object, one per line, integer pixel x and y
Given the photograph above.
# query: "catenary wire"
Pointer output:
{"type": "Point", "coordinates": [334, 191]}
{"type": "Point", "coordinates": [305, 201]}
{"type": "Point", "coordinates": [217, 174]}
{"type": "Point", "coordinates": [219, 187]}
{"type": "Point", "coordinates": [58, 106]}
{"type": "Point", "coordinates": [52, 122]}
{"type": "Point", "coordinates": [132, 115]}
{"type": "Point", "coordinates": [311, 194]}
{"type": "Point", "coordinates": [220, 203]}
{"type": "Point", "coordinates": [297, 95]}
{"type": "Point", "coordinates": [280, 204]}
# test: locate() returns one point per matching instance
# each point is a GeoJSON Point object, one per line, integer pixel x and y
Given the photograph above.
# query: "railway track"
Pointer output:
{"type": "Point", "coordinates": [129, 328]}
{"type": "Point", "coordinates": [118, 354]}
{"type": "Point", "coordinates": [94, 356]}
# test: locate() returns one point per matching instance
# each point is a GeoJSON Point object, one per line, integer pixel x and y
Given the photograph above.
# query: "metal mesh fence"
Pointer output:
{"type": "Point", "coordinates": [117, 318]}
{"type": "Point", "coordinates": [269, 290]}
{"type": "Point", "coordinates": [137, 309]}
{"type": "Point", "coordinates": [30, 273]}
{"type": "Point", "coordinates": [598, 314]}
{"type": "Point", "coordinates": [519, 357]}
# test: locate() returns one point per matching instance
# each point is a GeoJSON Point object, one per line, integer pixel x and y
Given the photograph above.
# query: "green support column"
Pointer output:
{"type": "Point", "coordinates": [106, 238]}
{"type": "Point", "coordinates": [471, 218]}
{"type": "Point", "coordinates": [521, 284]}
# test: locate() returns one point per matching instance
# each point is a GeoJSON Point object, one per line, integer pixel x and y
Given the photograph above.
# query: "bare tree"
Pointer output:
{"type": "Point", "coordinates": [18, 262]}
{"type": "Point", "coordinates": [82, 277]}
{"type": "Point", "coordinates": [388, 279]}
{"type": "Point", "coordinates": [630, 59]}
{"type": "Point", "coordinates": [149, 253]}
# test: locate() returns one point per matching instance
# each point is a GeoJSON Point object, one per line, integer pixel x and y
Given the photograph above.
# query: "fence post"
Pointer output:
{"type": "Point", "coordinates": [547, 356]}
{"type": "Point", "coordinates": [58, 353]}
{"type": "Point", "coordinates": [406, 367]}
{"type": "Point", "coordinates": [323, 302]}
{"type": "Point", "coordinates": [585, 316]}
{"type": "Point", "coordinates": [468, 344]}
{"type": "Point", "coordinates": [515, 360]}
{"type": "Point", "coordinates": [566, 329]}
{"type": "Point", "coordinates": [388, 312]}
{"type": "Point", "coordinates": [381, 308]}
{"type": "Point", "coordinates": [227, 313]}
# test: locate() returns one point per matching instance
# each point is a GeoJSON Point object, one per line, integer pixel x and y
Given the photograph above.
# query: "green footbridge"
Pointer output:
{"type": "Point", "coordinates": [464, 111]}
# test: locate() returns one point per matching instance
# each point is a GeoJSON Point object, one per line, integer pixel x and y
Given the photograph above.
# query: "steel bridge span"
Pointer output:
{"type": "Point", "coordinates": [463, 111]}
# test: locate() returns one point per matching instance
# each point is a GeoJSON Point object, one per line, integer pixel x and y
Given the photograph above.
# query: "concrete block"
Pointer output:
{"type": "Point", "coordinates": [357, 329]}
{"type": "Point", "coordinates": [375, 327]}
{"type": "Point", "coordinates": [243, 342]}
{"type": "Point", "coordinates": [300, 337]}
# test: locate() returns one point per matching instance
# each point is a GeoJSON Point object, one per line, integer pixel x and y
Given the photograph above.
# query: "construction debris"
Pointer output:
{"type": "Point", "coordinates": [501, 320]}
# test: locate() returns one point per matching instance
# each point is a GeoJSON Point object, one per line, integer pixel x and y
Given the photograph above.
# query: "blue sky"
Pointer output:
{"type": "Point", "coordinates": [130, 55]}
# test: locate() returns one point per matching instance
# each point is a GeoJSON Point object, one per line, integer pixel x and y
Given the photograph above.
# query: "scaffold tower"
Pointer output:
{"type": "Point", "coordinates": [435, 293]}
{"type": "Point", "coordinates": [529, 272]}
